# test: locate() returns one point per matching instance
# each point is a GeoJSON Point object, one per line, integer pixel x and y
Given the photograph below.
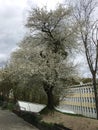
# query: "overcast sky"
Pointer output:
{"type": "Point", "coordinates": [11, 25]}
{"type": "Point", "coordinates": [12, 19]}
{"type": "Point", "coordinates": [12, 15]}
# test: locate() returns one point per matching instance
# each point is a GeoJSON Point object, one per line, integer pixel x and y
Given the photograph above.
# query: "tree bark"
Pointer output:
{"type": "Point", "coordinates": [95, 93]}
{"type": "Point", "coordinates": [50, 98]}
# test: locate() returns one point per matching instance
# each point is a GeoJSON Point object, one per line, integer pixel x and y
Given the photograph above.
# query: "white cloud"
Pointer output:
{"type": "Point", "coordinates": [16, 3]}
{"type": "Point", "coordinates": [49, 3]}
{"type": "Point", "coordinates": [11, 25]}
{"type": "Point", "coordinates": [15, 49]}
{"type": "Point", "coordinates": [3, 57]}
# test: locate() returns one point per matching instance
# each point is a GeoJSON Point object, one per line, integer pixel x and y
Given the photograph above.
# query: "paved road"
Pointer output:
{"type": "Point", "coordinates": [9, 121]}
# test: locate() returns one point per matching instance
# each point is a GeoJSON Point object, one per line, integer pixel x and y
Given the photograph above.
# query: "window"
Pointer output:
{"type": "Point", "coordinates": [95, 110]}
{"type": "Point", "coordinates": [90, 99]}
{"type": "Point", "coordinates": [93, 100]}
{"type": "Point", "coordinates": [88, 109]}
{"type": "Point", "coordinates": [84, 90]}
{"type": "Point", "coordinates": [85, 99]}
{"type": "Point", "coordinates": [92, 110]}
{"type": "Point", "coordinates": [89, 90]}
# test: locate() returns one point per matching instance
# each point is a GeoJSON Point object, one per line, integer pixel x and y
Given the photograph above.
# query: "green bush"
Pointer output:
{"type": "Point", "coordinates": [10, 106]}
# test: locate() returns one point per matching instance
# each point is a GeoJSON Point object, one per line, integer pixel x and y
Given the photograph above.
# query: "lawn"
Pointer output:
{"type": "Point", "coordinates": [73, 122]}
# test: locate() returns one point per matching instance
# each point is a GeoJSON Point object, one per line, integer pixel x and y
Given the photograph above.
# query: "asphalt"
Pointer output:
{"type": "Point", "coordinates": [10, 121]}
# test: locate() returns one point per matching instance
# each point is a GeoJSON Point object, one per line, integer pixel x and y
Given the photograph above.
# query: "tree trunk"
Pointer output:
{"type": "Point", "coordinates": [95, 93]}
{"type": "Point", "coordinates": [14, 97]}
{"type": "Point", "coordinates": [50, 98]}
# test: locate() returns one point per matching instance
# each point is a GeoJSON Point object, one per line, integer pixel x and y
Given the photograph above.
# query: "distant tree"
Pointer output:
{"type": "Point", "coordinates": [86, 80]}
{"type": "Point", "coordinates": [5, 83]}
{"type": "Point", "coordinates": [88, 29]}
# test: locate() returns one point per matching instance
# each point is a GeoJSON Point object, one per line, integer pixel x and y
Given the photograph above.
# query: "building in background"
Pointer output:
{"type": "Point", "coordinates": [80, 100]}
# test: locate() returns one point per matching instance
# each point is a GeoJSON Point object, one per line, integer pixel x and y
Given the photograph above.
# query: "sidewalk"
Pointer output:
{"type": "Point", "coordinates": [9, 121]}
